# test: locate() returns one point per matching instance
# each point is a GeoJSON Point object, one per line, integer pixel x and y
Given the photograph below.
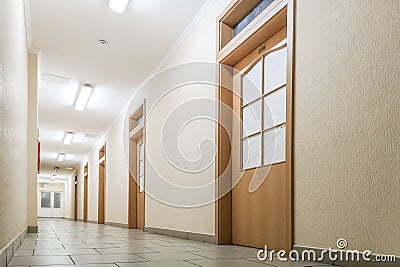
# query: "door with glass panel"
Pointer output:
{"type": "Point", "coordinates": [259, 147]}
{"type": "Point", "coordinates": [51, 204]}
{"type": "Point", "coordinates": [140, 188]}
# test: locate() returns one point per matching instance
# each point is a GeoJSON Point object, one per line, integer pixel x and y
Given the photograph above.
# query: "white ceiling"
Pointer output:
{"type": "Point", "coordinates": [67, 33]}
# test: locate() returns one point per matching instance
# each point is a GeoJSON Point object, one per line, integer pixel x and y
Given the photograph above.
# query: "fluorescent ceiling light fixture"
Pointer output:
{"type": "Point", "coordinates": [83, 97]}
{"type": "Point", "coordinates": [61, 157]}
{"type": "Point", "coordinates": [68, 138]}
{"type": "Point", "coordinates": [118, 6]}
{"type": "Point", "coordinates": [69, 168]}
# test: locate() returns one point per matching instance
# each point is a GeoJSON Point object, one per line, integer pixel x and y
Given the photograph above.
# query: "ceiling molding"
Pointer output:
{"type": "Point", "coordinates": [203, 11]}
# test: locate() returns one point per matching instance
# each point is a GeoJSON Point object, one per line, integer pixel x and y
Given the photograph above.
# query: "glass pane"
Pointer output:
{"type": "Point", "coordinates": [140, 119]}
{"type": "Point", "coordinates": [252, 119]}
{"type": "Point", "coordinates": [141, 151]}
{"type": "Point", "coordinates": [57, 200]}
{"type": "Point", "coordinates": [275, 145]}
{"type": "Point", "coordinates": [141, 168]}
{"type": "Point", "coordinates": [251, 152]}
{"type": "Point", "coordinates": [275, 70]}
{"type": "Point", "coordinates": [141, 184]}
{"type": "Point", "coordinates": [251, 84]}
{"type": "Point", "coordinates": [251, 16]}
{"type": "Point", "coordinates": [275, 108]}
{"type": "Point", "coordinates": [45, 200]}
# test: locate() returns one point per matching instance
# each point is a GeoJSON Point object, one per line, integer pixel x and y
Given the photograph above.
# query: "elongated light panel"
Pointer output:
{"type": "Point", "coordinates": [61, 157]}
{"type": "Point", "coordinates": [118, 6]}
{"type": "Point", "coordinates": [68, 138]}
{"type": "Point", "coordinates": [83, 98]}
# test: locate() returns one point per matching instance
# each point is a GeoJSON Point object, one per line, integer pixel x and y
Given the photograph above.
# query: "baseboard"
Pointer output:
{"type": "Point", "coordinates": [121, 225]}
{"type": "Point", "coordinates": [343, 263]}
{"type": "Point", "coordinates": [182, 234]}
{"type": "Point", "coordinates": [11, 248]}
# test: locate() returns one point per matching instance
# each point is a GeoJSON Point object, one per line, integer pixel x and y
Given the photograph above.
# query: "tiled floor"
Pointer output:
{"type": "Point", "coordinates": [65, 243]}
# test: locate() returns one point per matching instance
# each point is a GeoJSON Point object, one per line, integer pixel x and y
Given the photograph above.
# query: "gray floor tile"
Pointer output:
{"type": "Point", "coordinates": [177, 256]}
{"type": "Point", "coordinates": [110, 258]}
{"type": "Point", "coordinates": [99, 245]}
{"type": "Point", "coordinates": [222, 254]}
{"type": "Point", "coordinates": [40, 260]}
{"type": "Point", "coordinates": [178, 249]}
{"type": "Point", "coordinates": [125, 250]}
{"type": "Point", "coordinates": [158, 264]}
{"type": "Point", "coordinates": [65, 252]}
{"type": "Point", "coordinates": [226, 263]}
{"type": "Point", "coordinates": [24, 252]}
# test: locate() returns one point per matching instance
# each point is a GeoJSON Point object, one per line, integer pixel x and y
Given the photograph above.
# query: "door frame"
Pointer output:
{"type": "Point", "coordinates": [230, 51]}
{"type": "Point", "coordinates": [76, 197]}
{"type": "Point", "coordinates": [85, 191]}
{"type": "Point", "coordinates": [137, 131]}
{"type": "Point", "coordinates": [140, 199]}
{"type": "Point", "coordinates": [102, 186]}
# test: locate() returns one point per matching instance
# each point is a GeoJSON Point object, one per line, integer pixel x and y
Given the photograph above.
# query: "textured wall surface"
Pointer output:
{"type": "Point", "coordinates": [32, 139]}
{"type": "Point", "coordinates": [116, 190]}
{"type": "Point", "coordinates": [13, 120]}
{"type": "Point", "coordinates": [347, 124]}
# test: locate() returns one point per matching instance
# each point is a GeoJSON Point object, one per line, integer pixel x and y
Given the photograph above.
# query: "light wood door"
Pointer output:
{"type": "Point", "coordinates": [140, 185]}
{"type": "Point", "coordinates": [85, 193]}
{"type": "Point", "coordinates": [102, 185]}
{"type": "Point", "coordinates": [136, 204]}
{"type": "Point", "coordinates": [260, 197]}
{"type": "Point", "coordinates": [132, 206]}
{"type": "Point", "coordinates": [101, 204]}
{"type": "Point", "coordinates": [76, 198]}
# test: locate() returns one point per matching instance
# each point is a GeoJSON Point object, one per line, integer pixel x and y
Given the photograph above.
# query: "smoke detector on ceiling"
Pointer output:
{"type": "Point", "coordinates": [103, 41]}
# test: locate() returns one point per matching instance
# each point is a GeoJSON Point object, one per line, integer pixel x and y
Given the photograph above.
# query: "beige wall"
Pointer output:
{"type": "Point", "coordinates": [116, 190]}
{"type": "Point", "coordinates": [69, 198]}
{"type": "Point", "coordinates": [347, 144]}
{"type": "Point", "coordinates": [33, 75]}
{"type": "Point", "coordinates": [199, 46]}
{"type": "Point", "coordinates": [13, 120]}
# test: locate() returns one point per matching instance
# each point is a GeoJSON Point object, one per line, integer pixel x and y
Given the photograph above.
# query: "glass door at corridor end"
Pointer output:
{"type": "Point", "coordinates": [51, 204]}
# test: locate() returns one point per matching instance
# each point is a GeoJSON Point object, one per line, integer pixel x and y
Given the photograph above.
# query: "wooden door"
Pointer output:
{"type": "Point", "coordinates": [136, 206]}
{"type": "Point", "coordinates": [101, 204]}
{"type": "Point", "coordinates": [260, 196]}
{"type": "Point", "coordinates": [132, 206]}
{"type": "Point", "coordinates": [140, 185]}
{"type": "Point", "coordinates": [85, 193]}
{"type": "Point", "coordinates": [76, 198]}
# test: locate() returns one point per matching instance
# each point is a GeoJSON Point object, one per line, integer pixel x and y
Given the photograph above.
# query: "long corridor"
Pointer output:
{"type": "Point", "coordinates": [63, 242]}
